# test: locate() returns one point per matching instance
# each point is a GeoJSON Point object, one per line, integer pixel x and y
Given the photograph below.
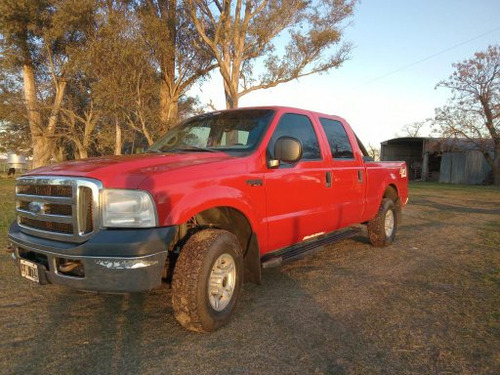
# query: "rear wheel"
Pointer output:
{"type": "Point", "coordinates": [207, 280]}
{"type": "Point", "coordinates": [382, 228]}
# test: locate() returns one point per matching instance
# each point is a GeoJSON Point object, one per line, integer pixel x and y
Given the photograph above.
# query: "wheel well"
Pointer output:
{"type": "Point", "coordinates": [229, 219]}
{"type": "Point", "coordinates": [232, 220]}
{"type": "Point", "coordinates": [392, 192]}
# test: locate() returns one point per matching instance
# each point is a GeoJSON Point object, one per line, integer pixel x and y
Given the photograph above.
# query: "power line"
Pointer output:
{"type": "Point", "coordinates": [433, 55]}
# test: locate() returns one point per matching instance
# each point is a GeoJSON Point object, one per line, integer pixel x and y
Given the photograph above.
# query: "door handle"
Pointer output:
{"type": "Point", "coordinates": [328, 179]}
{"type": "Point", "coordinates": [360, 176]}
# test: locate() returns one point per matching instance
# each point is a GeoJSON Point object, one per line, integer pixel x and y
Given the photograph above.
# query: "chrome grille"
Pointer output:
{"type": "Point", "coordinates": [61, 208]}
{"type": "Point", "coordinates": [48, 190]}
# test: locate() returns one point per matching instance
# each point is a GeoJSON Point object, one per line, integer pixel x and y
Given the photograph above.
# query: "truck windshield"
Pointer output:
{"type": "Point", "coordinates": [236, 132]}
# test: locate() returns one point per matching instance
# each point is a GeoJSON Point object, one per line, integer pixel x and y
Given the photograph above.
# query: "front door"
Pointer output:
{"type": "Point", "coordinates": [297, 194]}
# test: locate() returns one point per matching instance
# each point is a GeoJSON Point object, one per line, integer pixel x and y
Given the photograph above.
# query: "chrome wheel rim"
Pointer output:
{"type": "Point", "coordinates": [221, 282]}
{"type": "Point", "coordinates": [389, 223]}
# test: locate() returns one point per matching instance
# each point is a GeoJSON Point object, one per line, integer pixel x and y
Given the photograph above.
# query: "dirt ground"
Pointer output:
{"type": "Point", "coordinates": [429, 304]}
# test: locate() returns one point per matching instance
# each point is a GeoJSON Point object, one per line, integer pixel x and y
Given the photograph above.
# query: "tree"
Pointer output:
{"type": "Point", "coordinates": [37, 37]}
{"type": "Point", "coordinates": [122, 97]}
{"type": "Point", "coordinates": [175, 50]}
{"type": "Point", "coordinates": [241, 33]}
{"type": "Point", "coordinates": [79, 118]}
{"type": "Point", "coordinates": [414, 129]}
{"type": "Point", "coordinates": [473, 112]}
{"type": "Point", "coordinates": [14, 127]}
{"type": "Point", "coordinates": [374, 152]}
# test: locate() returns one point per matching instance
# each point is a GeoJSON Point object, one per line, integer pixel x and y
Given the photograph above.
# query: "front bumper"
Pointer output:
{"type": "Point", "coordinates": [128, 260]}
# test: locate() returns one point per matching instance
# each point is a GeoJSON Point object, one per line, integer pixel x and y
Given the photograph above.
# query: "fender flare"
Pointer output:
{"type": "Point", "coordinates": [197, 202]}
{"type": "Point", "coordinates": [210, 197]}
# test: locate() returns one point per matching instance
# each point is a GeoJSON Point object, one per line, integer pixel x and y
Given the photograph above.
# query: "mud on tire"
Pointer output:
{"type": "Point", "coordinates": [382, 228]}
{"type": "Point", "coordinates": [207, 280]}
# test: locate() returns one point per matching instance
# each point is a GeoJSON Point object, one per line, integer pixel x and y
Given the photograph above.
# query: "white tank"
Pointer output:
{"type": "Point", "coordinates": [15, 160]}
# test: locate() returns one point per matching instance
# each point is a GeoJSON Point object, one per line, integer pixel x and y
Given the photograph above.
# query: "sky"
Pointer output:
{"type": "Point", "coordinates": [401, 50]}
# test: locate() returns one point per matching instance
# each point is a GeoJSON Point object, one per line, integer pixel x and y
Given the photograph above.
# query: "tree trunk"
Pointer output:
{"type": "Point", "coordinates": [42, 137]}
{"type": "Point", "coordinates": [496, 165]}
{"type": "Point", "coordinates": [118, 139]}
{"type": "Point", "coordinates": [58, 154]}
{"type": "Point", "coordinates": [231, 99]}
{"type": "Point", "coordinates": [169, 107]}
{"type": "Point", "coordinates": [169, 98]}
{"type": "Point", "coordinates": [231, 78]}
{"type": "Point", "coordinates": [56, 108]}
{"type": "Point", "coordinates": [231, 103]}
{"type": "Point", "coordinates": [148, 136]}
{"type": "Point", "coordinates": [83, 153]}
{"type": "Point", "coordinates": [42, 147]}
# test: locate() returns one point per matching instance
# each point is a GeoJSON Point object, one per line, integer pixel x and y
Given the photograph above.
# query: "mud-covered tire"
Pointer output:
{"type": "Point", "coordinates": [382, 228]}
{"type": "Point", "coordinates": [192, 301]}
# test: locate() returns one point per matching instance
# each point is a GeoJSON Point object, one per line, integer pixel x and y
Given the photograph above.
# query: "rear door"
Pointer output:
{"type": "Point", "coordinates": [297, 194]}
{"type": "Point", "coordinates": [348, 174]}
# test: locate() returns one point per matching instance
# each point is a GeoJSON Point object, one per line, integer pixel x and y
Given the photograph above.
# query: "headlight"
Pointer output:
{"type": "Point", "coordinates": [128, 209]}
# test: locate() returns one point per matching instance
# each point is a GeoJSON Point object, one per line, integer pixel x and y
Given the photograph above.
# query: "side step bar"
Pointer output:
{"type": "Point", "coordinates": [297, 251]}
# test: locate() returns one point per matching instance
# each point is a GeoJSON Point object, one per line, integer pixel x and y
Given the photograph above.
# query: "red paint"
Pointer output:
{"type": "Point", "coordinates": [291, 204]}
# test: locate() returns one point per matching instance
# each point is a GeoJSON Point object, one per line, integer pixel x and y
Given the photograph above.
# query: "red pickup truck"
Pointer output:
{"type": "Point", "coordinates": [209, 205]}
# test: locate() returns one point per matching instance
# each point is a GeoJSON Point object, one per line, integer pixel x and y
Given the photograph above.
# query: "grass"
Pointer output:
{"type": "Point", "coordinates": [417, 187]}
{"type": "Point", "coordinates": [7, 205]}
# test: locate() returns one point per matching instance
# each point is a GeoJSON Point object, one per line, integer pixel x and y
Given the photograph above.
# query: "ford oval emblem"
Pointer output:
{"type": "Point", "coordinates": [36, 208]}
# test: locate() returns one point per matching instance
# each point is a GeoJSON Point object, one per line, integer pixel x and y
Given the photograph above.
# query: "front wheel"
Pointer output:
{"type": "Point", "coordinates": [382, 228]}
{"type": "Point", "coordinates": [207, 280]}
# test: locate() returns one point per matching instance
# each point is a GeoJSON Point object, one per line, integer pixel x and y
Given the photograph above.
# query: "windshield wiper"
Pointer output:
{"type": "Point", "coordinates": [192, 148]}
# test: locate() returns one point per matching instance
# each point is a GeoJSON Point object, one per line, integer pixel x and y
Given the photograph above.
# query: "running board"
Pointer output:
{"type": "Point", "coordinates": [275, 259]}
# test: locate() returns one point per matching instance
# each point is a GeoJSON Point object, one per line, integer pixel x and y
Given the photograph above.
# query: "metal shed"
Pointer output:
{"type": "Point", "coordinates": [447, 160]}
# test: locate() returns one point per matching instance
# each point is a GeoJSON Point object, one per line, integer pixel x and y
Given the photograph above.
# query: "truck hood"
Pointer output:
{"type": "Point", "coordinates": [127, 170]}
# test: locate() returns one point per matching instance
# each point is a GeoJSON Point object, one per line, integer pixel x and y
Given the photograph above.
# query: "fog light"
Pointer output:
{"type": "Point", "coordinates": [70, 267]}
{"type": "Point", "coordinates": [120, 264]}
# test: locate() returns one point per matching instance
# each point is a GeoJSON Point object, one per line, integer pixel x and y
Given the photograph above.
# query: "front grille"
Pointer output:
{"type": "Point", "coordinates": [47, 225]}
{"type": "Point", "coordinates": [47, 190]}
{"type": "Point", "coordinates": [58, 208]}
{"type": "Point", "coordinates": [50, 208]}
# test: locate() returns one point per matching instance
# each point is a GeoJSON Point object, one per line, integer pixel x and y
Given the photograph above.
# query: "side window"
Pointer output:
{"type": "Point", "coordinates": [300, 127]}
{"type": "Point", "coordinates": [337, 139]}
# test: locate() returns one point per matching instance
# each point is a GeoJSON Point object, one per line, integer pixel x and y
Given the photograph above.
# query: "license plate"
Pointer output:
{"type": "Point", "coordinates": [29, 270]}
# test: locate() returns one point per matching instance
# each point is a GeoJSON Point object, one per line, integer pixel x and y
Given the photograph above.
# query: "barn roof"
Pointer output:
{"type": "Point", "coordinates": [444, 144]}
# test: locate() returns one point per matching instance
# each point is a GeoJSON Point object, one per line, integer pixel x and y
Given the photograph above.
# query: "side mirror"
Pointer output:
{"type": "Point", "coordinates": [286, 149]}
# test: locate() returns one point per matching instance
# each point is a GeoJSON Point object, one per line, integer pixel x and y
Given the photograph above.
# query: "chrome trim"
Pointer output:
{"type": "Point", "coordinates": [45, 217]}
{"type": "Point", "coordinates": [76, 183]}
{"type": "Point", "coordinates": [44, 198]}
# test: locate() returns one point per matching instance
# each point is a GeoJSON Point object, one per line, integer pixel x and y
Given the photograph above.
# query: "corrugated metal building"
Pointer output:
{"type": "Point", "coordinates": [456, 161]}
